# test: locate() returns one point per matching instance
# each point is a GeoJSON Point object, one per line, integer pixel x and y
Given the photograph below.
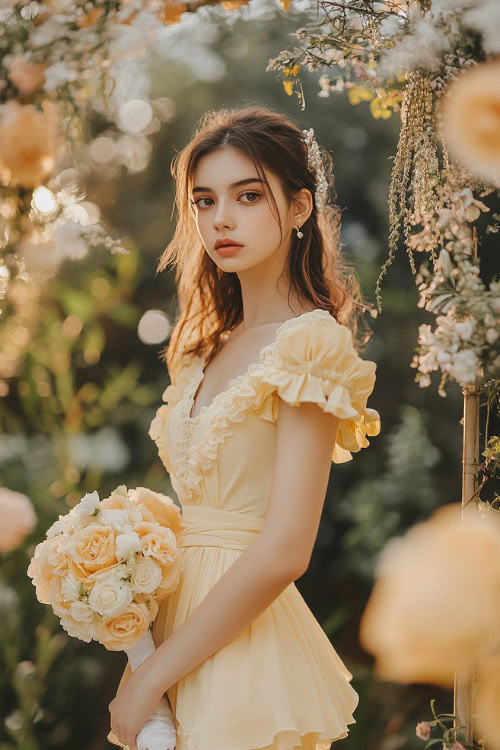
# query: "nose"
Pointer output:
{"type": "Point", "coordinates": [223, 218]}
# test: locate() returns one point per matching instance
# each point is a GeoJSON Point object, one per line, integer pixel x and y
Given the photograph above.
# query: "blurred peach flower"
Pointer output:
{"type": "Point", "coordinates": [18, 519]}
{"type": "Point", "coordinates": [25, 74]}
{"type": "Point", "coordinates": [30, 142]}
{"type": "Point", "coordinates": [435, 604]}
{"type": "Point", "coordinates": [470, 120]}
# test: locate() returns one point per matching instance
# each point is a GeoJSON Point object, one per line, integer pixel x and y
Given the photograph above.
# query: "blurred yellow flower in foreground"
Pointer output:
{"type": "Point", "coordinates": [435, 604]}
{"type": "Point", "coordinates": [30, 142]}
{"type": "Point", "coordinates": [470, 126]}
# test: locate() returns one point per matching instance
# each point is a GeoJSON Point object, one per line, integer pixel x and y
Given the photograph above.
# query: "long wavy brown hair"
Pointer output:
{"type": "Point", "coordinates": [210, 301]}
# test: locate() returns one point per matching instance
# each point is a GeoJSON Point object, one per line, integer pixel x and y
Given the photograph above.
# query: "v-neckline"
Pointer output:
{"type": "Point", "coordinates": [201, 366]}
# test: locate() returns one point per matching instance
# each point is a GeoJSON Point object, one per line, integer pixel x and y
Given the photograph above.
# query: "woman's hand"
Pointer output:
{"type": "Point", "coordinates": [132, 707]}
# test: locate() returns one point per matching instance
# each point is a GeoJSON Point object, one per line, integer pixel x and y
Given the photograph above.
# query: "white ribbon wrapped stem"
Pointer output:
{"type": "Point", "coordinates": [158, 733]}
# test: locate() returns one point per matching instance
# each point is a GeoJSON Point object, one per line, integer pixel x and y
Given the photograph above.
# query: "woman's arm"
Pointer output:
{"type": "Point", "coordinates": [280, 554]}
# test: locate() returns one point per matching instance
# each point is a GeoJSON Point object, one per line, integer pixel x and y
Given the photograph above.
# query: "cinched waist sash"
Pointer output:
{"type": "Point", "coordinates": [213, 527]}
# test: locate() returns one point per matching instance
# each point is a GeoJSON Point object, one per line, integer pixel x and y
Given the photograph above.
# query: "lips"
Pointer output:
{"type": "Point", "coordinates": [226, 241]}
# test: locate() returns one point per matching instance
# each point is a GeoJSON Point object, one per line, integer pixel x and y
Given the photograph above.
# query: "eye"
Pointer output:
{"type": "Point", "coordinates": [248, 192]}
{"type": "Point", "coordinates": [251, 193]}
{"type": "Point", "coordinates": [196, 203]}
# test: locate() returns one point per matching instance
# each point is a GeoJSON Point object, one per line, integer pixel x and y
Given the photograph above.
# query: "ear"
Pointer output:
{"type": "Point", "coordinates": [302, 206]}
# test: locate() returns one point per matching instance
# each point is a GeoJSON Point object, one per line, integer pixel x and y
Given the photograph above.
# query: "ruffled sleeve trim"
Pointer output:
{"type": "Point", "coordinates": [315, 361]}
{"type": "Point", "coordinates": [171, 396]}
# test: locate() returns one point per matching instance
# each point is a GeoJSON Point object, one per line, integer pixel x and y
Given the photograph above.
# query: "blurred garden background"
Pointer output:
{"type": "Point", "coordinates": [81, 376]}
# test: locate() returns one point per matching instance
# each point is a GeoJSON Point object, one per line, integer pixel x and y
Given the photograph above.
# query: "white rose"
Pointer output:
{"type": "Point", "coordinates": [127, 543]}
{"type": "Point", "coordinates": [70, 588]}
{"type": "Point", "coordinates": [115, 517]}
{"type": "Point", "coordinates": [110, 597]}
{"type": "Point", "coordinates": [146, 576]}
{"type": "Point", "coordinates": [88, 504]}
{"type": "Point", "coordinates": [81, 612]}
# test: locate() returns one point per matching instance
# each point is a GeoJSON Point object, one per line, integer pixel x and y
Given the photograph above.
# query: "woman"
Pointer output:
{"type": "Point", "coordinates": [267, 390]}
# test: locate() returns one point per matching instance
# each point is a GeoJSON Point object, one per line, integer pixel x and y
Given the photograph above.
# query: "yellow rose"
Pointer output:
{"type": "Point", "coordinates": [93, 548]}
{"type": "Point", "coordinates": [169, 581]}
{"type": "Point", "coordinates": [121, 632]}
{"type": "Point", "coordinates": [64, 565]}
{"type": "Point", "coordinates": [163, 508]}
{"type": "Point", "coordinates": [150, 601]}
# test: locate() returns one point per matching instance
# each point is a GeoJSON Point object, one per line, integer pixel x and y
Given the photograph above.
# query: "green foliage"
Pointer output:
{"type": "Point", "coordinates": [401, 494]}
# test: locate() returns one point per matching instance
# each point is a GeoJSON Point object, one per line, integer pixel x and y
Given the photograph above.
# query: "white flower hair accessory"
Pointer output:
{"type": "Point", "coordinates": [314, 161]}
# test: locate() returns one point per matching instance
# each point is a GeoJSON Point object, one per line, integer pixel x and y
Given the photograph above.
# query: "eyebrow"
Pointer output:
{"type": "Point", "coordinates": [240, 183]}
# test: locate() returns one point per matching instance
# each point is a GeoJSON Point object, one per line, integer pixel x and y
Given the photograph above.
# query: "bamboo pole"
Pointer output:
{"type": "Point", "coordinates": [464, 684]}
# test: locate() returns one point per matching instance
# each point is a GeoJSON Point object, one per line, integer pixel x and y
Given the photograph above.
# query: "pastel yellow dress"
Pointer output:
{"type": "Point", "coordinates": [280, 685]}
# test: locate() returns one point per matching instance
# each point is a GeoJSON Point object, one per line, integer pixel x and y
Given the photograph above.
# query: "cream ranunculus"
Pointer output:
{"type": "Point", "coordinates": [146, 576]}
{"type": "Point", "coordinates": [162, 507]}
{"type": "Point", "coordinates": [109, 597]}
{"type": "Point", "coordinates": [93, 548]}
{"type": "Point", "coordinates": [123, 631]}
{"type": "Point", "coordinates": [81, 612]}
{"type": "Point", "coordinates": [85, 631]}
{"type": "Point", "coordinates": [158, 542]}
{"type": "Point", "coordinates": [435, 604]}
{"type": "Point", "coordinates": [70, 588]}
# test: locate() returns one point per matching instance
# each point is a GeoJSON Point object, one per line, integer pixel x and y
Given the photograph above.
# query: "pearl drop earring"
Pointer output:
{"type": "Point", "coordinates": [299, 233]}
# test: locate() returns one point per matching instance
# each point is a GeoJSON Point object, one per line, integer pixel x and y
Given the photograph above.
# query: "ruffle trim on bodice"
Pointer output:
{"type": "Point", "coordinates": [227, 408]}
{"type": "Point", "coordinates": [311, 359]}
{"type": "Point", "coordinates": [171, 397]}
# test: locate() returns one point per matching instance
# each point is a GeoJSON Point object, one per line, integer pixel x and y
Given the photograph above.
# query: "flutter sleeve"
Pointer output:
{"type": "Point", "coordinates": [315, 361]}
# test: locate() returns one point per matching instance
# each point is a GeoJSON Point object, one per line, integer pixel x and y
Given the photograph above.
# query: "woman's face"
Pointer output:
{"type": "Point", "coordinates": [239, 212]}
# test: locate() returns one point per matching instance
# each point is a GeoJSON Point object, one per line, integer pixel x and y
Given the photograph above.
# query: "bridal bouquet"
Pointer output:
{"type": "Point", "coordinates": [103, 569]}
